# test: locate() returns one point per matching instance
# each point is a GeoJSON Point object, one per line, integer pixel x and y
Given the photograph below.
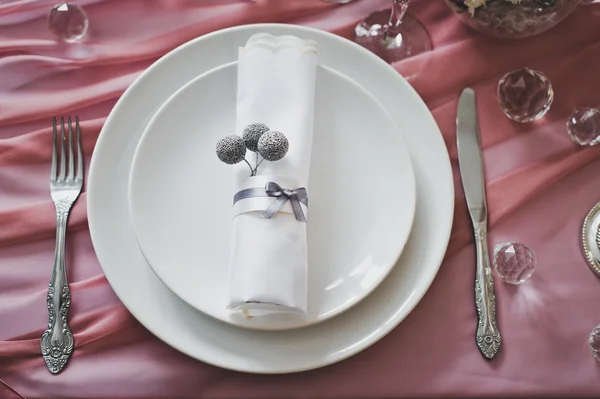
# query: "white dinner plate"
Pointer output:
{"type": "Point", "coordinates": [180, 197]}
{"type": "Point", "coordinates": [201, 336]}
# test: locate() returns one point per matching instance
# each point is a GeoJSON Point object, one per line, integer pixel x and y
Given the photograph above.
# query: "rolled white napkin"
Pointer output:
{"type": "Point", "coordinates": [268, 259]}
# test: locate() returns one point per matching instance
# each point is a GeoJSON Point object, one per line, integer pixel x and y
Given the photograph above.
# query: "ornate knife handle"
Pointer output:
{"type": "Point", "coordinates": [57, 341]}
{"type": "Point", "coordinates": [488, 335]}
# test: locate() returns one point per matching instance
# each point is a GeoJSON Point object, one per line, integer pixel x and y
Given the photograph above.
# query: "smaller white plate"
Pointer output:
{"type": "Point", "coordinates": [362, 196]}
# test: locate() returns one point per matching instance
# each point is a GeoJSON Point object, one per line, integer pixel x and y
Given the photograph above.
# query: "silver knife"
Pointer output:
{"type": "Point", "coordinates": [470, 161]}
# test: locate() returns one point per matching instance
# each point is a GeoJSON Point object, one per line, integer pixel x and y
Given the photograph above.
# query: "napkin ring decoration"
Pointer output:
{"type": "Point", "coordinates": [269, 145]}
{"type": "Point", "coordinates": [296, 197]}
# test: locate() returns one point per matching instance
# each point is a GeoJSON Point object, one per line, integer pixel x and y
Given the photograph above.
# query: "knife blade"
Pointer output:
{"type": "Point", "coordinates": [470, 158]}
{"type": "Point", "coordinates": [470, 162]}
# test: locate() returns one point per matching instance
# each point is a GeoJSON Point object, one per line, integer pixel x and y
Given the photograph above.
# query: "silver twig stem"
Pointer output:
{"type": "Point", "coordinates": [258, 164]}
{"type": "Point", "coordinates": [252, 171]}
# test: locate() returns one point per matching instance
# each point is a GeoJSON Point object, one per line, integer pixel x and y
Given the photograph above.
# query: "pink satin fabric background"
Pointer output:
{"type": "Point", "coordinates": [540, 186]}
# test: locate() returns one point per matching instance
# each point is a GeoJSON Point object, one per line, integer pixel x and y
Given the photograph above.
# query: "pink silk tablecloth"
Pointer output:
{"type": "Point", "coordinates": [540, 186]}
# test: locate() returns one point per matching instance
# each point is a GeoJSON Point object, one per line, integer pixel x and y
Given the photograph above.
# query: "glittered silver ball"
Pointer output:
{"type": "Point", "coordinates": [231, 149]}
{"type": "Point", "coordinates": [252, 134]}
{"type": "Point", "coordinates": [273, 145]}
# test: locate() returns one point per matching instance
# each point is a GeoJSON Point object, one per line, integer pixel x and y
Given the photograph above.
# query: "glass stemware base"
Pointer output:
{"type": "Point", "coordinates": [411, 39]}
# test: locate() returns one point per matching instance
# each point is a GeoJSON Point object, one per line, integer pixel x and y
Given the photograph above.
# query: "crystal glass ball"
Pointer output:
{"type": "Point", "coordinates": [584, 126]}
{"type": "Point", "coordinates": [514, 262]}
{"type": "Point", "coordinates": [68, 22]}
{"type": "Point", "coordinates": [525, 95]}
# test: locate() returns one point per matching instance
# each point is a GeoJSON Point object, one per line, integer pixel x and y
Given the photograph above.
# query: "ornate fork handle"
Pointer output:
{"type": "Point", "coordinates": [488, 335]}
{"type": "Point", "coordinates": [57, 341]}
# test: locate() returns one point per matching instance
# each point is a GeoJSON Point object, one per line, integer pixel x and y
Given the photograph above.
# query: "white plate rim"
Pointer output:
{"type": "Point", "coordinates": [409, 206]}
{"type": "Point", "coordinates": [443, 225]}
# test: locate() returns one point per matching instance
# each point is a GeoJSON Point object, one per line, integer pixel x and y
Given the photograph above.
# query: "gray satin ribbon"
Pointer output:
{"type": "Point", "coordinates": [283, 195]}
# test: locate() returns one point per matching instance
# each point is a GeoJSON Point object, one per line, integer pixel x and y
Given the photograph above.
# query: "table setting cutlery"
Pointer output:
{"type": "Point", "coordinates": [470, 161]}
{"type": "Point", "coordinates": [66, 181]}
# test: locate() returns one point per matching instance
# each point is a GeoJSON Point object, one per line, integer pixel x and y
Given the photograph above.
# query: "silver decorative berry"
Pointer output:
{"type": "Point", "coordinates": [231, 149]}
{"type": "Point", "coordinates": [273, 145]}
{"type": "Point", "coordinates": [252, 134]}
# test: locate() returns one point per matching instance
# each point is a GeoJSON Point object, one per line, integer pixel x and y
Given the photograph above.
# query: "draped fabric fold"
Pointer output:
{"type": "Point", "coordinates": [539, 185]}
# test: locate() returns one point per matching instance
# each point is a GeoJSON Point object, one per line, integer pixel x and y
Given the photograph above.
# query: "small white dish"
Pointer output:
{"type": "Point", "coordinates": [362, 197]}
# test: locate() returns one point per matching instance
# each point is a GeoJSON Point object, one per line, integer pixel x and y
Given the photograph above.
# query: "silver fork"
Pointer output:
{"type": "Point", "coordinates": [66, 181]}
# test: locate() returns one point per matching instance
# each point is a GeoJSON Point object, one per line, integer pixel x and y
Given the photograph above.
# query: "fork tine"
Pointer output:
{"type": "Point", "coordinates": [53, 169]}
{"type": "Point", "coordinates": [71, 172]}
{"type": "Point", "coordinates": [63, 152]}
{"type": "Point", "coordinates": [79, 154]}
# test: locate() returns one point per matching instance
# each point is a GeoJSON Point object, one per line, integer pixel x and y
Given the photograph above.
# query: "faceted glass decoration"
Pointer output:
{"type": "Point", "coordinates": [584, 126]}
{"type": "Point", "coordinates": [514, 262]}
{"type": "Point", "coordinates": [525, 95]}
{"type": "Point", "coordinates": [68, 22]}
{"type": "Point", "coordinates": [595, 342]}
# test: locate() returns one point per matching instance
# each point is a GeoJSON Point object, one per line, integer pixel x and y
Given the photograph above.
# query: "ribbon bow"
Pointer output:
{"type": "Point", "coordinates": [284, 195]}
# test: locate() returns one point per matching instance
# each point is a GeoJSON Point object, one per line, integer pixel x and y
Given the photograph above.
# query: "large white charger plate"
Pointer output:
{"type": "Point", "coordinates": [362, 197]}
{"type": "Point", "coordinates": [223, 345]}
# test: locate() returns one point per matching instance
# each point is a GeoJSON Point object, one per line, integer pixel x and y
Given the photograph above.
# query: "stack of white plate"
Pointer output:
{"type": "Point", "coordinates": [381, 205]}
